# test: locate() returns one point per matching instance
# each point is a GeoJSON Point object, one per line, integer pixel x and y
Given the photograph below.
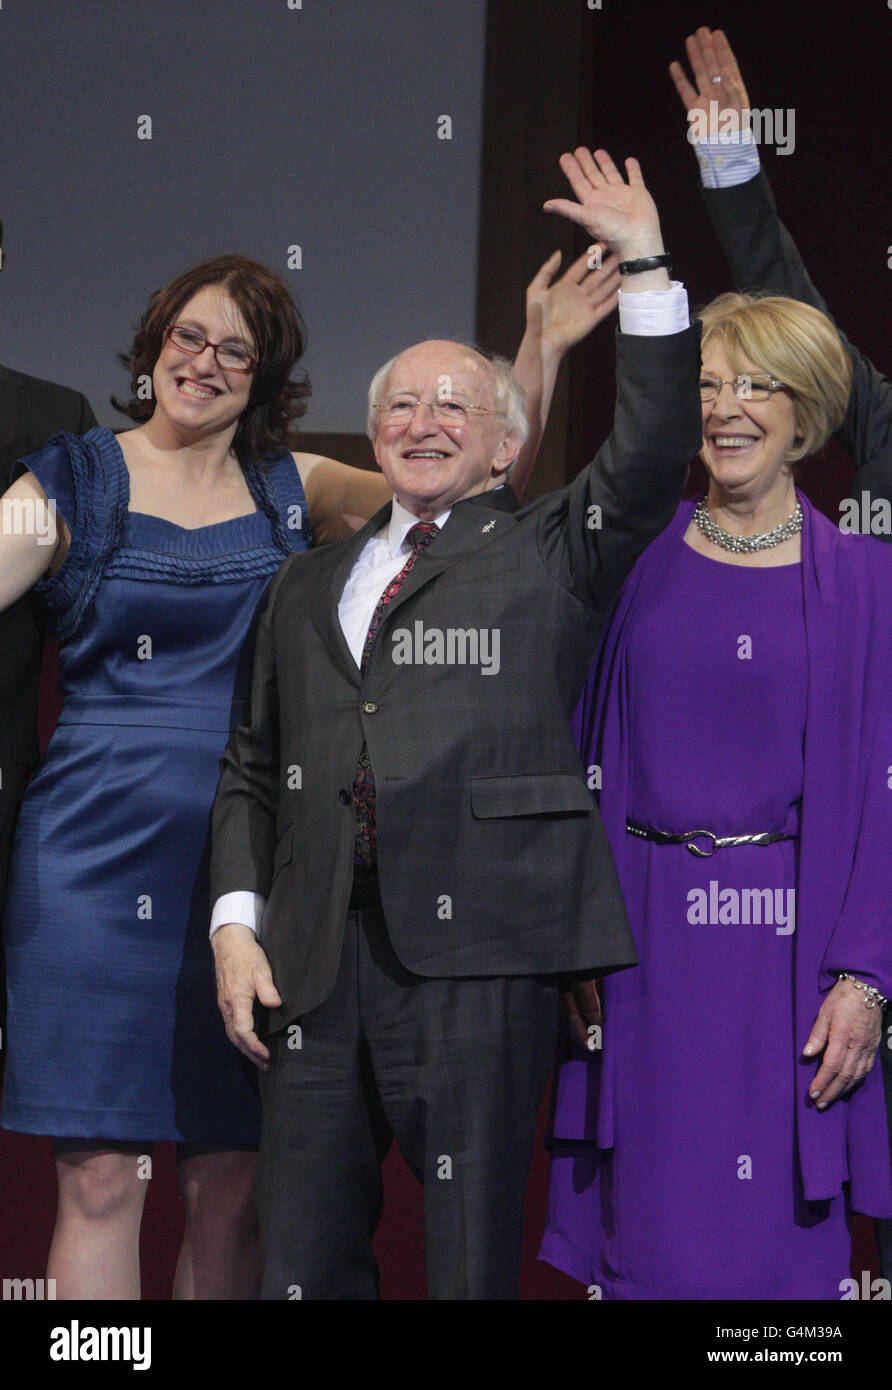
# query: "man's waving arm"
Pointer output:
{"type": "Point", "coordinates": [630, 492]}
{"type": "Point", "coordinates": [760, 251]}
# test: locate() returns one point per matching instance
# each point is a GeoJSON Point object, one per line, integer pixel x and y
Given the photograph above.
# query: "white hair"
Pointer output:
{"type": "Point", "coordinates": [508, 392]}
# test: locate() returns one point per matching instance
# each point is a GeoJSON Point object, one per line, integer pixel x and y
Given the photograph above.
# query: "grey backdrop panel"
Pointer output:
{"type": "Point", "coordinates": [271, 127]}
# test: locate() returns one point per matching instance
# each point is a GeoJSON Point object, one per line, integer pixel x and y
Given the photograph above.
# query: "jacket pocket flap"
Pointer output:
{"type": "Point", "coordinates": [530, 794]}
{"type": "Point", "coordinates": [284, 850]}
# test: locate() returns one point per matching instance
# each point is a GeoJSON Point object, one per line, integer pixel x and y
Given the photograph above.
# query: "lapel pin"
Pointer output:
{"type": "Point", "coordinates": [488, 527]}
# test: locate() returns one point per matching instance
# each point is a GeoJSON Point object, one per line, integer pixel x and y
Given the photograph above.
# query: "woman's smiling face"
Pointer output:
{"type": "Point", "coordinates": [745, 442]}
{"type": "Point", "coordinates": [195, 394]}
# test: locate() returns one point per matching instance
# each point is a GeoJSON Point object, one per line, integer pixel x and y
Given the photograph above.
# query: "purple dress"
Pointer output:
{"type": "Point", "coordinates": [675, 1171]}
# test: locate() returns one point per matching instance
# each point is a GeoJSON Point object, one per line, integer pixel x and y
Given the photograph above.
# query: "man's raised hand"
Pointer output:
{"type": "Point", "coordinates": [611, 210]}
{"type": "Point", "coordinates": [710, 55]}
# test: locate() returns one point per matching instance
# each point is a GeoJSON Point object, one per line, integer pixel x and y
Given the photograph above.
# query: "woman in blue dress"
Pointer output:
{"type": "Point", "coordinates": [163, 543]}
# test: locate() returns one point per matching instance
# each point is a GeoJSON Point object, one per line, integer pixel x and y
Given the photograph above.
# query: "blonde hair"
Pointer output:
{"type": "Point", "coordinates": [795, 343]}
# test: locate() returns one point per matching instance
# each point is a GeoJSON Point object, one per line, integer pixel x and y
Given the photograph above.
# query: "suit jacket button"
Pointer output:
{"type": "Point", "coordinates": [369, 707]}
{"type": "Point", "coordinates": [344, 797]}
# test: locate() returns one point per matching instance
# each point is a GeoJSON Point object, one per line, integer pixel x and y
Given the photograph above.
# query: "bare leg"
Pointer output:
{"type": "Point", "coordinates": [95, 1248]}
{"type": "Point", "coordinates": [221, 1256]}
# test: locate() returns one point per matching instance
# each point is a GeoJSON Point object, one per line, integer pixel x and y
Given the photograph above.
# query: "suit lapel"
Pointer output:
{"type": "Point", "coordinates": [473, 524]}
{"type": "Point", "coordinates": [325, 611]}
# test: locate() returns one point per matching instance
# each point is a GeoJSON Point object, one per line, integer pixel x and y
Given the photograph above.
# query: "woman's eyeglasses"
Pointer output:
{"type": "Point", "coordinates": [756, 386]}
{"type": "Point", "coordinates": [229, 357]}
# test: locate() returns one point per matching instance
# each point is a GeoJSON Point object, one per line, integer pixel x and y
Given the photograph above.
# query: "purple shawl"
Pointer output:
{"type": "Point", "coordinates": [844, 893]}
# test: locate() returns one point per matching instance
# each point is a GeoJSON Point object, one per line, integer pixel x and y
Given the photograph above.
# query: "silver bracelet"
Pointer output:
{"type": "Point", "coordinates": [872, 997]}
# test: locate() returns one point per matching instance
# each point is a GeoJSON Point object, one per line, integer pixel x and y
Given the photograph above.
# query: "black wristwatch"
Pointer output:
{"type": "Point", "coordinates": [645, 263]}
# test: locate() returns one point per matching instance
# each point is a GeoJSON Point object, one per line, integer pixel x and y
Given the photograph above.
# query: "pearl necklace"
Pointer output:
{"type": "Point", "coordinates": [746, 545]}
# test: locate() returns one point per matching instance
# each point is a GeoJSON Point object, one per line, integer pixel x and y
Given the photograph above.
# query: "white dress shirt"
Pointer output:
{"type": "Point", "coordinates": [380, 561]}
{"type": "Point", "coordinates": [652, 312]}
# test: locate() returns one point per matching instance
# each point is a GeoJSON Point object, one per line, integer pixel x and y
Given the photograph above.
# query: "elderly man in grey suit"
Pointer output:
{"type": "Point", "coordinates": [406, 815]}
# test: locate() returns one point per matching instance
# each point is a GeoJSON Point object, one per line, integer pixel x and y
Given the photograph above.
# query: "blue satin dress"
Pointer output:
{"type": "Point", "coordinates": [113, 1027]}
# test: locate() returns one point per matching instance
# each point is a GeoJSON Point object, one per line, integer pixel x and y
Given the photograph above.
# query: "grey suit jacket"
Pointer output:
{"type": "Point", "coordinates": [491, 854]}
{"type": "Point", "coordinates": [30, 411]}
{"type": "Point", "coordinates": [763, 256]}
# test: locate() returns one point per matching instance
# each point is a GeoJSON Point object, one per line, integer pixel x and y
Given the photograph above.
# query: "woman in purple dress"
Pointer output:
{"type": "Point", "coordinates": [714, 1129]}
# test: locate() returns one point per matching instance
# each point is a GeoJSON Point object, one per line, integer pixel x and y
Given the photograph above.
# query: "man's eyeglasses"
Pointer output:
{"type": "Point", "coordinates": [757, 386]}
{"type": "Point", "coordinates": [229, 357]}
{"type": "Point", "coordinates": [446, 410]}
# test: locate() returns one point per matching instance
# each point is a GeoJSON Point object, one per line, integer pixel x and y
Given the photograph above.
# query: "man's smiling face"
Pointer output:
{"type": "Point", "coordinates": [433, 460]}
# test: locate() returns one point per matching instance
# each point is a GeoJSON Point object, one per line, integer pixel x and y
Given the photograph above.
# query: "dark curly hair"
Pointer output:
{"type": "Point", "coordinates": [278, 398]}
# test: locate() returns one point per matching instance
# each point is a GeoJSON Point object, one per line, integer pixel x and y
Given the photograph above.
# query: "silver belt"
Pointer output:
{"type": "Point", "coordinates": [665, 837]}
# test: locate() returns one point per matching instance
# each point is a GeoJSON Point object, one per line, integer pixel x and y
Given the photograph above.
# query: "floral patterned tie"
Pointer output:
{"type": "Point", "coordinates": [366, 844]}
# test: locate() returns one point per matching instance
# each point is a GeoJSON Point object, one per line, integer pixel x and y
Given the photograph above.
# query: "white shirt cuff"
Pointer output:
{"type": "Point", "coordinates": [655, 313]}
{"type": "Point", "coordinates": [727, 158]}
{"type": "Point", "coordinates": [246, 908]}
